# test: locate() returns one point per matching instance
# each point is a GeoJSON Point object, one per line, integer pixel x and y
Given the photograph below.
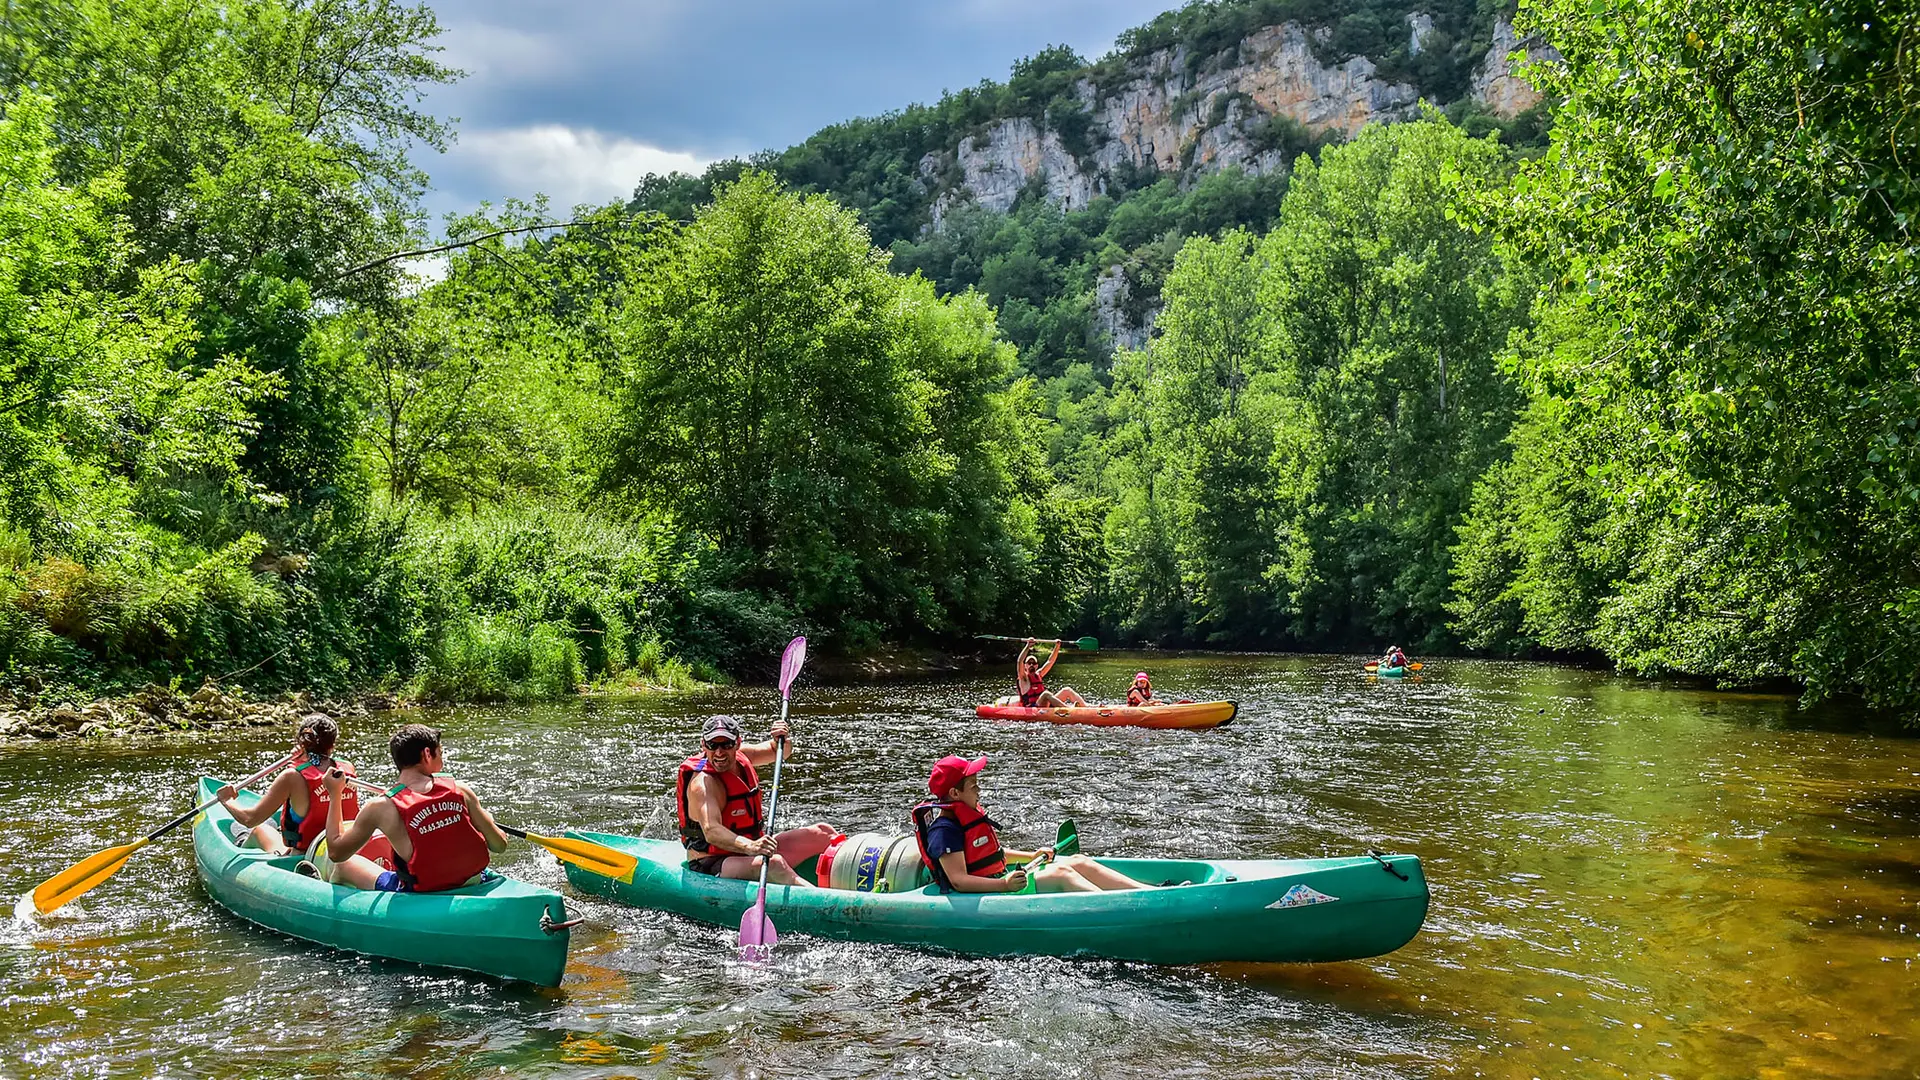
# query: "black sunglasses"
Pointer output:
{"type": "Point", "coordinates": [720, 744]}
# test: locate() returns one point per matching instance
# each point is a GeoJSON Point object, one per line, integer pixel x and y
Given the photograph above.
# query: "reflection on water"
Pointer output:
{"type": "Point", "coordinates": [1627, 880]}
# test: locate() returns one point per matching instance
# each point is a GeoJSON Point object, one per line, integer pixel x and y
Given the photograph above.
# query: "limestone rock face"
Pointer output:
{"type": "Point", "coordinates": [1110, 295]}
{"type": "Point", "coordinates": [1188, 119]}
{"type": "Point", "coordinates": [1495, 83]}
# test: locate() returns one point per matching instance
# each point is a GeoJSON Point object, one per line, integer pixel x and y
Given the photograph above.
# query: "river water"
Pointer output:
{"type": "Point", "coordinates": [1628, 880]}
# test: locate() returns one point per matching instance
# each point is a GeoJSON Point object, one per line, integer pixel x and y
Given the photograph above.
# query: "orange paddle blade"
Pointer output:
{"type": "Point", "coordinates": [1413, 667]}
{"type": "Point", "coordinates": [67, 885]}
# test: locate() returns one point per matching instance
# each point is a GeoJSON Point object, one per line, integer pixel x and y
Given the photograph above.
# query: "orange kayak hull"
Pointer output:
{"type": "Point", "coordinates": [1192, 715]}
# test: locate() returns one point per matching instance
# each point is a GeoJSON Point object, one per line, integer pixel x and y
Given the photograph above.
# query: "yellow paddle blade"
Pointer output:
{"type": "Point", "coordinates": [588, 855]}
{"type": "Point", "coordinates": [67, 885]}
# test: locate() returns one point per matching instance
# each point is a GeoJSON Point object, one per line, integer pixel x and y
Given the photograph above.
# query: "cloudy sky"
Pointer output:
{"type": "Point", "coordinates": [580, 98]}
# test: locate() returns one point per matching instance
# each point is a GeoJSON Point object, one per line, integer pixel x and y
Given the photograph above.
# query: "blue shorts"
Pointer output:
{"type": "Point", "coordinates": [391, 881]}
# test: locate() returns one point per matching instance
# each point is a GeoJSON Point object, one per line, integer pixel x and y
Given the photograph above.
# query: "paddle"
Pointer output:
{"type": "Point", "coordinates": [597, 858]}
{"type": "Point", "coordinates": [1374, 665]}
{"type": "Point", "coordinates": [67, 885]}
{"type": "Point", "coordinates": [1085, 644]}
{"type": "Point", "coordinates": [757, 935]}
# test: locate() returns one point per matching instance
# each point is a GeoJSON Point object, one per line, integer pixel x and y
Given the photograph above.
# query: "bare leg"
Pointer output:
{"type": "Point", "coordinates": [1099, 876]}
{"type": "Point", "coordinates": [267, 837]}
{"type": "Point", "coordinates": [799, 845]}
{"type": "Point", "coordinates": [1057, 878]}
{"type": "Point", "coordinates": [357, 872]}
{"type": "Point", "coordinates": [747, 868]}
{"type": "Point", "coordinates": [1072, 696]}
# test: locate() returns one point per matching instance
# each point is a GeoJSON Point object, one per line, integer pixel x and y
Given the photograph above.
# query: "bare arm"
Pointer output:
{"type": "Point", "coordinates": [482, 820]}
{"type": "Point", "coordinates": [377, 815]}
{"type": "Point", "coordinates": [1051, 657]}
{"type": "Point", "coordinates": [269, 804]}
{"type": "Point", "coordinates": [955, 865]}
{"type": "Point", "coordinates": [761, 753]}
{"type": "Point", "coordinates": [703, 804]}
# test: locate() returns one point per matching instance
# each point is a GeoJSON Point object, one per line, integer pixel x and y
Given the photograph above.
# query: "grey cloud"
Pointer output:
{"type": "Point", "coordinates": [720, 79]}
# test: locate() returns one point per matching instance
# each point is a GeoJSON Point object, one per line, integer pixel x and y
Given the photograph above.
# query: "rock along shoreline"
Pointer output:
{"type": "Point", "coordinates": [159, 710]}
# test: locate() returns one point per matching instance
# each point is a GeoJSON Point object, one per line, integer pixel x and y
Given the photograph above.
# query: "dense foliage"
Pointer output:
{"type": "Point", "coordinates": [1721, 475]}
{"type": "Point", "coordinates": [1649, 395]}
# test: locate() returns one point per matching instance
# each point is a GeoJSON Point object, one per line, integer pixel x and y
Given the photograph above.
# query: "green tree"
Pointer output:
{"type": "Point", "coordinates": [835, 429]}
{"type": "Point", "coordinates": [1727, 214]}
{"type": "Point", "coordinates": [1390, 315]}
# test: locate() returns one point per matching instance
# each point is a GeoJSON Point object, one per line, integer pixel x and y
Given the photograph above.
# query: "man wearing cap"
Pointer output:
{"type": "Point", "coordinates": [960, 844]}
{"type": "Point", "coordinates": [722, 820]}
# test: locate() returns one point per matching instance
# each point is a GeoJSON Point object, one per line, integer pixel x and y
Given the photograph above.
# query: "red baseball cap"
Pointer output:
{"type": "Point", "coordinates": [950, 770]}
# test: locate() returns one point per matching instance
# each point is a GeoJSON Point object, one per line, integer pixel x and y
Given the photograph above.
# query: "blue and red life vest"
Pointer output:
{"type": "Point", "coordinates": [979, 840]}
{"type": "Point", "coordinates": [1030, 697]}
{"type": "Point", "coordinates": [741, 814]}
{"type": "Point", "coordinates": [301, 831]}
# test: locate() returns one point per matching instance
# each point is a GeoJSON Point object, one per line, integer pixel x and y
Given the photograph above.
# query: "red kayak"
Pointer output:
{"type": "Point", "coordinates": [1187, 714]}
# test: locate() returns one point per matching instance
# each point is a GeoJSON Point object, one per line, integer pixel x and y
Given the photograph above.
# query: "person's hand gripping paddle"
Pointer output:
{"type": "Point", "coordinates": [757, 936]}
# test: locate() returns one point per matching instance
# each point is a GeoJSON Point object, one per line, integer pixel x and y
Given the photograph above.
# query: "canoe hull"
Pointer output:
{"type": "Point", "coordinates": [1190, 716]}
{"type": "Point", "coordinates": [494, 928]}
{"type": "Point", "coordinates": [1365, 911]}
{"type": "Point", "coordinates": [1390, 672]}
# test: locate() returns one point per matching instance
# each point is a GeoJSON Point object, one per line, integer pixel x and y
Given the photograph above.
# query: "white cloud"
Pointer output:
{"type": "Point", "coordinates": [571, 165]}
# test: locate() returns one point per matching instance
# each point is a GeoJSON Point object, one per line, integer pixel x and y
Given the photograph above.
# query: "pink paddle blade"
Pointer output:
{"type": "Point", "coordinates": [790, 662]}
{"type": "Point", "coordinates": [757, 935]}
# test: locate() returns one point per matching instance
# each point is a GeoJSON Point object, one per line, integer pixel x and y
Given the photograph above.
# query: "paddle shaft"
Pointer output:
{"type": "Point", "coordinates": [196, 811]}
{"type": "Point", "coordinates": [1085, 644]}
{"type": "Point", "coordinates": [773, 799]}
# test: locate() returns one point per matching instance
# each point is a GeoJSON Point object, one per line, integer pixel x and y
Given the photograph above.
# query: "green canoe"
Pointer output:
{"type": "Point", "coordinates": [499, 928]}
{"type": "Point", "coordinates": [1267, 910]}
{"type": "Point", "coordinates": [1390, 672]}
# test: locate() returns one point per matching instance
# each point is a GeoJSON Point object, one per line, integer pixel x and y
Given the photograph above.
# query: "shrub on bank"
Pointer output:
{"type": "Point", "coordinates": [513, 603]}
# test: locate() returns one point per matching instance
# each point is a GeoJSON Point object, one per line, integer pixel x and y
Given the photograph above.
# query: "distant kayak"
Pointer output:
{"type": "Point", "coordinates": [1248, 910]}
{"type": "Point", "coordinates": [1390, 672]}
{"type": "Point", "coordinates": [1191, 714]}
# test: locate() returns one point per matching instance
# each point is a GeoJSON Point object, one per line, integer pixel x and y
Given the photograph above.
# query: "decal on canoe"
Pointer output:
{"type": "Point", "coordinates": [1302, 895]}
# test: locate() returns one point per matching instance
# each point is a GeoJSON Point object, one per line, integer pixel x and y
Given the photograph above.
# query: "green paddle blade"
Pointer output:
{"type": "Point", "coordinates": [1067, 840]}
{"type": "Point", "coordinates": [1087, 644]}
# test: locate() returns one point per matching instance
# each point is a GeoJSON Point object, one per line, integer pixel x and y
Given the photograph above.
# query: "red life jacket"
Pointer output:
{"type": "Point", "coordinates": [978, 840]}
{"type": "Point", "coordinates": [447, 849]}
{"type": "Point", "coordinates": [301, 831]}
{"type": "Point", "coordinates": [1030, 697]}
{"type": "Point", "coordinates": [741, 813]}
{"type": "Point", "coordinates": [1138, 697]}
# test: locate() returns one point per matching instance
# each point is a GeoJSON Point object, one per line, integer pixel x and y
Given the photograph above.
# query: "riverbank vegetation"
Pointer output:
{"type": "Point", "coordinates": [1648, 395]}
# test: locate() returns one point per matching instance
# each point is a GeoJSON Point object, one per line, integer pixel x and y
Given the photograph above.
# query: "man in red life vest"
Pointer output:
{"type": "Point", "coordinates": [960, 844]}
{"type": "Point", "coordinates": [442, 837]}
{"type": "Point", "coordinates": [722, 814]}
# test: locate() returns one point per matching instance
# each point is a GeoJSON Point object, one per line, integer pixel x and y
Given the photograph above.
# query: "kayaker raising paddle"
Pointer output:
{"type": "Point", "coordinates": [442, 837]}
{"type": "Point", "coordinates": [1031, 676]}
{"type": "Point", "coordinates": [722, 819]}
{"type": "Point", "coordinates": [960, 844]}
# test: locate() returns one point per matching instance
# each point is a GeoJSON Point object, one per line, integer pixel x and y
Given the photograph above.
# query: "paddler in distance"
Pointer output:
{"type": "Point", "coordinates": [442, 837]}
{"type": "Point", "coordinates": [722, 816]}
{"type": "Point", "coordinates": [1030, 675]}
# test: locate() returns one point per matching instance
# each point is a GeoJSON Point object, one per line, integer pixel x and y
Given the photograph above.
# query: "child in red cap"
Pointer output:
{"type": "Point", "coordinates": [960, 844]}
{"type": "Point", "coordinates": [1141, 692]}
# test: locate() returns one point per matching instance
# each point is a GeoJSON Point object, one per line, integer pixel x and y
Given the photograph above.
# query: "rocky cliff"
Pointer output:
{"type": "Point", "coordinates": [1254, 106]}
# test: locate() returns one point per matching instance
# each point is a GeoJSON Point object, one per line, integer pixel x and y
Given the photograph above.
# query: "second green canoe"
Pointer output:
{"type": "Point", "coordinates": [503, 927]}
{"type": "Point", "coordinates": [1253, 910]}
